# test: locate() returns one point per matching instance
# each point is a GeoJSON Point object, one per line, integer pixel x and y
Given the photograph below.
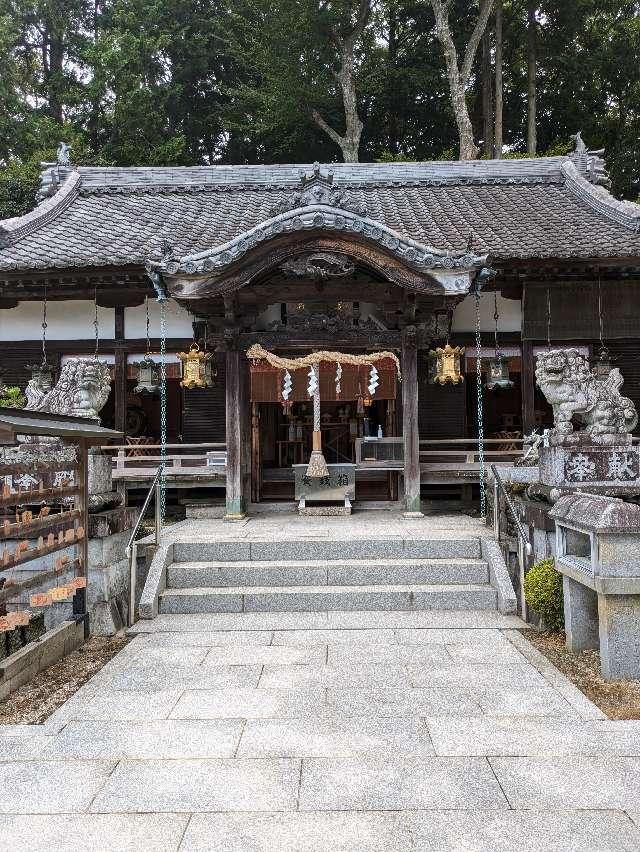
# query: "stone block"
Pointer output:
{"type": "Point", "coordinates": [339, 736]}
{"type": "Point", "coordinates": [388, 783]}
{"type": "Point", "coordinates": [580, 615]}
{"type": "Point", "coordinates": [619, 617]}
{"type": "Point", "coordinates": [249, 703]}
{"type": "Point", "coordinates": [389, 702]}
{"type": "Point", "coordinates": [294, 677]}
{"type": "Point", "coordinates": [91, 832]}
{"type": "Point", "coordinates": [591, 466]}
{"type": "Point", "coordinates": [99, 703]}
{"type": "Point", "coordinates": [51, 786]}
{"type": "Point", "coordinates": [180, 786]}
{"type": "Point", "coordinates": [298, 832]}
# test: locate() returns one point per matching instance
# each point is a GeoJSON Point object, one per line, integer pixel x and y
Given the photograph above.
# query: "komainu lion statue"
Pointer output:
{"type": "Point", "coordinates": [577, 395]}
{"type": "Point", "coordinates": [81, 390]}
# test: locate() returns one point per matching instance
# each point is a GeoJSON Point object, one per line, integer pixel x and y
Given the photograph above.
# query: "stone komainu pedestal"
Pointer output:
{"type": "Point", "coordinates": [598, 554]}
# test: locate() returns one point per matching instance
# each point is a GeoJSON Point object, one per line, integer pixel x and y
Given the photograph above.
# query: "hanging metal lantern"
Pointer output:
{"type": "Point", "coordinates": [197, 369]}
{"type": "Point", "coordinates": [603, 366]}
{"type": "Point", "coordinates": [444, 365]}
{"type": "Point", "coordinates": [498, 372]}
{"type": "Point", "coordinates": [42, 375]}
{"type": "Point", "coordinates": [148, 376]}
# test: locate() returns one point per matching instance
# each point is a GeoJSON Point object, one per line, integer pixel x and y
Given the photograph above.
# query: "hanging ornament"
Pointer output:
{"type": "Point", "coordinates": [338, 378]}
{"type": "Point", "coordinates": [444, 365]}
{"type": "Point", "coordinates": [148, 370]}
{"type": "Point", "coordinates": [96, 324]}
{"type": "Point", "coordinates": [373, 380]}
{"type": "Point", "coordinates": [498, 369]}
{"type": "Point", "coordinates": [287, 384]}
{"type": "Point", "coordinates": [42, 374]}
{"type": "Point", "coordinates": [197, 369]}
{"type": "Point", "coordinates": [312, 387]}
{"type": "Point", "coordinates": [603, 365]}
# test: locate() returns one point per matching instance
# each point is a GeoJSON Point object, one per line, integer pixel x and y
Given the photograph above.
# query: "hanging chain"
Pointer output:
{"type": "Point", "coordinates": [548, 318]}
{"type": "Point", "coordinates": [44, 328]}
{"type": "Point", "coordinates": [146, 308]}
{"type": "Point", "coordinates": [96, 327]}
{"type": "Point", "coordinates": [163, 409]}
{"type": "Point", "coordinates": [496, 317]}
{"type": "Point", "coordinates": [604, 352]}
{"type": "Point", "coordinates": [483, 497]}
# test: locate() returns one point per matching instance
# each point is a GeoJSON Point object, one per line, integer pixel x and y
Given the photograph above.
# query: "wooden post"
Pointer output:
{"type": "Point", "coordinates": [120, 372]}
{"type": "Point", "coordinates": [236, 508]}
{"type": "Point", "coordinates": [410, 423]}
{"type": "Point", "coordinates": [527, 379]}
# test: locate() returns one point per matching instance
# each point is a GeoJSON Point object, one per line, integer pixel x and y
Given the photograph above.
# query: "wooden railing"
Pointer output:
{"type": "Point", "coordinates": [183, 463]}
{"type": "Point", "coordinates": [457, 460]}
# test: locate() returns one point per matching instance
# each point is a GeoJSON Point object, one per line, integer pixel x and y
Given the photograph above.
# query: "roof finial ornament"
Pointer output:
{"type": "Point", "coordinates": [62, 154]}
{"type": "Point", "coordinates": [580, 148]}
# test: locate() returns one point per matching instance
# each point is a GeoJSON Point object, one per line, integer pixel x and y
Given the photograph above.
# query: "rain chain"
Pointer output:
{"type": "Point", "coordinates": [163, 408]}
{"type": "Point", "coordinates": [483, 497]}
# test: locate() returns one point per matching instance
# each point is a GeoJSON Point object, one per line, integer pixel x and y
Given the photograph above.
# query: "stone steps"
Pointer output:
{"type": "Point", "coordinates": [317, 572]}
{"type": "Point", "coordinates": [328, 549]}
{"type": "Point", "coordinates": [328, 598]}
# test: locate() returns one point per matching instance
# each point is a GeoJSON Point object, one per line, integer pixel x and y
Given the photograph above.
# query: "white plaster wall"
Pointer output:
{"type": "Point", "coordinates": [73, 320]}
{"type": "Point", "coordinates": [510, 310]}
{"type": "Point", "coordinates": [179, 320]}
{"type": "Point", "coordinates": [70, 320]}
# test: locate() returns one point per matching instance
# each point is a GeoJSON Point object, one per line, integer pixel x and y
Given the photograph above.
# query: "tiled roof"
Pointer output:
{"type": "Point", "coordinates": [515, 209]}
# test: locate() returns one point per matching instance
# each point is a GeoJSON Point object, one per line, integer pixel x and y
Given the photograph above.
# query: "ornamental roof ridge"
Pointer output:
{"type": "Point", "coordinates": [14, 229]}
{"type": "Point", "coordinates": [598, 197]}
{"type": "Point", "coordinates": [316, 216]}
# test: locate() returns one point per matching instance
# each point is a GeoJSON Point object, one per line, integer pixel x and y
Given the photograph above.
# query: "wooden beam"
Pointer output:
{"type": "Point", "coordinates": [410, 422]}
{"type": "Point", "coordinates": [528, 384]}
{"type": "Point", "coordinates": [236, 507]}
{"type": "Point", "coordinates": [120, 373]}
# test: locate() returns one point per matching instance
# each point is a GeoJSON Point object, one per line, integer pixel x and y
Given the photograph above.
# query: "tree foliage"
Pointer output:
{"type": "Point", "coordinates": [174, 82]}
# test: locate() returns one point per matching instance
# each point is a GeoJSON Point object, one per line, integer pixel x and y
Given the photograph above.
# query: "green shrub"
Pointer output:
{"type": "Point", "coordinates": [12, 398]}
{"type": "Point", "coordinates": [543, 593]}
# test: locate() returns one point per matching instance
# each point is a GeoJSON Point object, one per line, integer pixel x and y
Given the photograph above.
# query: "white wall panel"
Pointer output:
{"type": "Point", "coordinates": [510, 310]}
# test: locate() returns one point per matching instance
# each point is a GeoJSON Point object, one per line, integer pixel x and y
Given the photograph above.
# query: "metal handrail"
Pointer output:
{"type": "Point", "coordinates": [132, 547]}
{"type": "Point", "coordinates": [498, 486]}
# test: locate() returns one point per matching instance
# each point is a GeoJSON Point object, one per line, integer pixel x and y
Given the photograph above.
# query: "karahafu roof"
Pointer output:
{"type": "Point", "coordinates": [515, 210]}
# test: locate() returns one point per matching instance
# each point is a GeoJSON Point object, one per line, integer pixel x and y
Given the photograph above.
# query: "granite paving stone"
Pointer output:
{"type": "Point", "coordinates": [515, 677]}
{"type": "Point", "coordinates": [474, 638]}
{"type": "Point", "coordinates": [207, 638]}
{"type": "Point", "coordinates": [532, 737]}
{"type": "Point", "coordinates": [167, 739]}
{"type": "Point", "coordinates": [93, 832]}
{"type": "Point", "coordinates": [22, 747]}
{"type": "Point", "coordinates": [507, 831]}
{"type": "Point", "coordinates": [157, 676]}
{"type": "Point", "coordinates": [244, 703]}
{"type": "Point", "coordinates": [50, 786]}
{"type": "Point", "coordinates": [264, 655]}
{"type": "Point", "coordinates": [333, 637]}
{"type": "Point", "coordinates": [334, 737]}
{"type": "Point", "coordinates": [292, 677]}
{"type": "Point", "coordinates": [575, 781]}
{"type": "Point", "coordinates": [200, 785]}
{"type": "Point", "coordinates": [372, 783]}
{"type": "Point", "coordinates": [520, 701]}
{"type": "Point", "coordinates": [298, 832]}
{"type": "Point", "coordinates": [470, 619]}
{"type": "Point", "coordinates": [400, 701]}
{"type": "Point", "coordinates": [125, 706]}
{"type": "Point", "coordinates": [421, 655]}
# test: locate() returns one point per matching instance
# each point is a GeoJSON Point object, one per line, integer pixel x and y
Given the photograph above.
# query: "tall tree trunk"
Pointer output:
{"type": "Point", "coordinates": [532, 140]}
{"type": "Point", "coordinates": [459, 76]}
{"type": "Point", "coordinates": [487, 95]}
{"type": "Point", "coordinates": [499, 85]}
{"type": "Point", "coordinates": [392, 63]}
{"type": "Point", "coordinates": [349, 142]}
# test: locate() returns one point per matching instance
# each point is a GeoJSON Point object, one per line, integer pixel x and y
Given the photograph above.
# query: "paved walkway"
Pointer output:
{"type": "Point", "coordinates": [338, 731]}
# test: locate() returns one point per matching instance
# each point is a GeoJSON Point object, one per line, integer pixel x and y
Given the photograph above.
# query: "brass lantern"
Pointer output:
{"type": "Point", "coordinates": [498, 372]}
{"type": "Point", "coordinates": [148, 376]}
{"type": "Point", "coordinates": [444, 365]}
{"type": "Point", "coordinates": [197, 369]}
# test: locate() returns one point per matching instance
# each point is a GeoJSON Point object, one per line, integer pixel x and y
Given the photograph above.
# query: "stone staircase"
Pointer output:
{"type": "Point", "coordinates": [315, 576]}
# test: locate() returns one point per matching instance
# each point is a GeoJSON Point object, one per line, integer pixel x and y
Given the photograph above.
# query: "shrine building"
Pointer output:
{"type": "Point", "coordinates": [497, 258]}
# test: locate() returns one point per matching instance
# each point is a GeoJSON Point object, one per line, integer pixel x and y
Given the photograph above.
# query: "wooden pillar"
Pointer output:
{"type": "Point", "coordinates": [236, 507]}
{"type": "Point", "coordinates": [410, 431]}
{"type": "Point", "coordinates": [528, 383]}
{"type": "Point", "coordinates": [120, 372]}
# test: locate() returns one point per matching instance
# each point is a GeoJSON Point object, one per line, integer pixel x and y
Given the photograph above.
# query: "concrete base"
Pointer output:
{"type": "Point", "coordinates": [108, 591]}
{"type": "Point", "coordinates": [580, 615]}
{"type": "Point", "coordinates": [412, 516]}
{"type": "Point", "coordinates": [324, 511]}
{"type": "Point", "coordinates": [619, 636]}
{"type": "Point", "coordinates": [239, 516]}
